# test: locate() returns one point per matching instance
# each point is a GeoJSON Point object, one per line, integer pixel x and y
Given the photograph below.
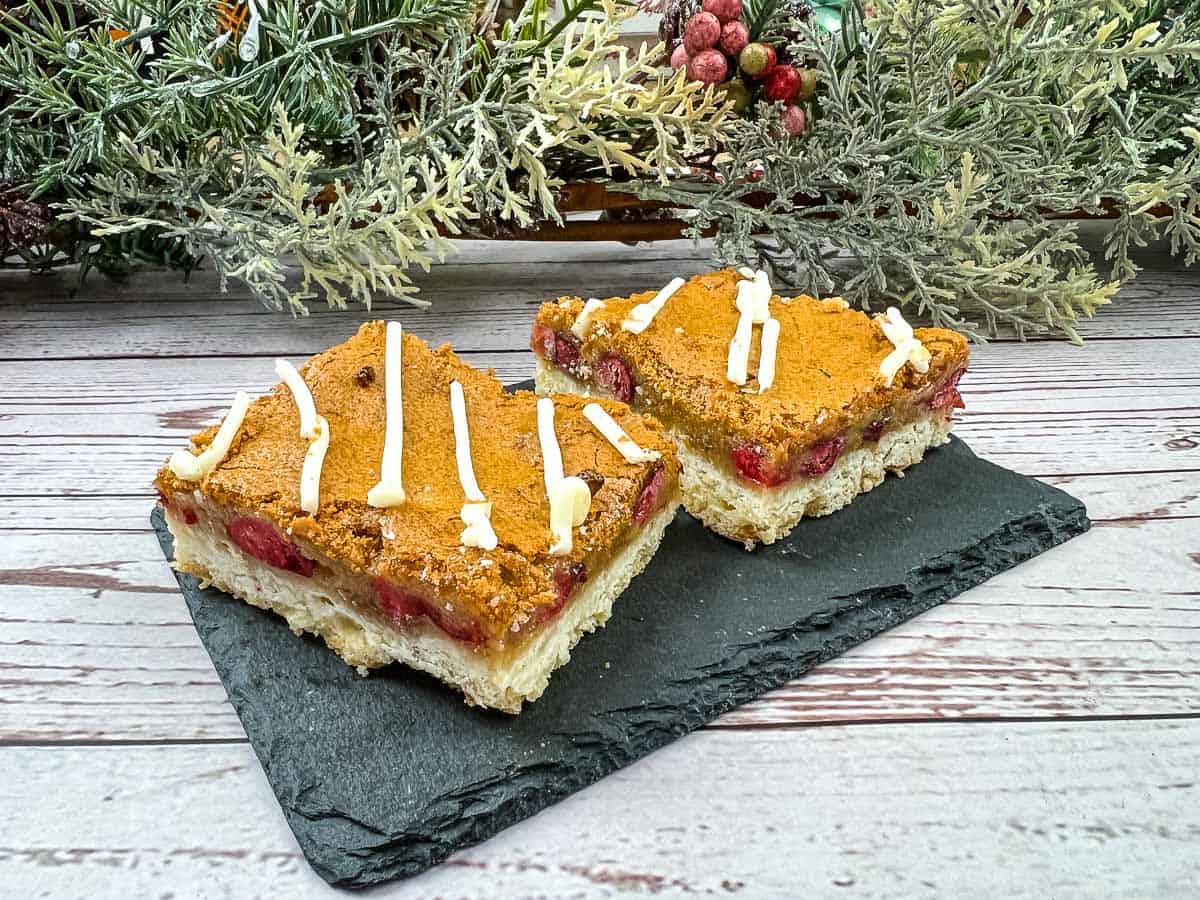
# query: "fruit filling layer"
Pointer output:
{"type": "Point", "coordinates": [828, 395]}
{"type": "Point", "coordinates": [408, 563]}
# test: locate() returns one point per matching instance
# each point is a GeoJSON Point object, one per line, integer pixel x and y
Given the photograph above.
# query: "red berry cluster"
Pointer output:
{"type": "Point", "coordinates": [716, 48]}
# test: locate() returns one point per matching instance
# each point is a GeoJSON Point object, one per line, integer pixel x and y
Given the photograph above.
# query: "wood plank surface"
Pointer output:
{"type": "Point", "coordinates": [894, 811]}
{"type": "Point", "coordinates": [1041, 409]}
{"type": "Point", "coordinates": [1034, 737]}
{"type": "Point", "coordinates": [97, 645]}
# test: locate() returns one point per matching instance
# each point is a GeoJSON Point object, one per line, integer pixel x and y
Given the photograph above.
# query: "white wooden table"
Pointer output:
{"type": "Point", "coordinates": [1037, 737]}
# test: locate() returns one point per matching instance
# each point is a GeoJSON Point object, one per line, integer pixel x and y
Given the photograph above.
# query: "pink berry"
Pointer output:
{"type": "Point", "coordinates": [679, 57]}
{"type": "Point", "coordinates": [708, 66]}
{"type": "Point", "coordinates": [821, 457]}
{"type": "Point", "coordinates": [734, 38]}
{"type": "Point", "coordinates": [725, 10]}
{"type": "Point", "coordinates": [701, 32]}
{"type": "Point", "coordinates": [757, 59]}
{"type": "Point", "coordinates": [793, 120]}
{"type": "Point", "coordinates": [947, 395]}
{"type": "Point", "coordinates": [752, 463]}
{"type": "Point", "coordinates": [567, 577]}
{"type": "Point", "coordinates": [647, 499]}
{"type": "Point", "coordinates": [566, 352]}
{"type": "Point", "coordinates": [783, 83]}
{"type": "Point", "coordinates": [613, 373]}
{"type": "Point", "coordinates": [542, 341]}
{"type": "Point", "coordinates": [262, 540]}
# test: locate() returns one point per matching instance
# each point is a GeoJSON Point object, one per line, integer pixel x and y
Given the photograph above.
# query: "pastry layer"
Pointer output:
{"type": "Point", "coordinates": [827, 384]}
{"type": "Point", "coordinates": [417, 544]}
{"type": "Point", "coordinates": [337, 607]}
{"type": "Point", "coordinates": [753, 514]}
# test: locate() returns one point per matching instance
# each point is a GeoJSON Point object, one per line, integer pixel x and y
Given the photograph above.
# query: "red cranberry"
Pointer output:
{"type": "Point", "coordinates": [567, 577]}
{"type": "Point", "coordinates": [947, 395]}
{"type": "Point", "coordinates": [543, 342]}
{"type": "Point", "coordinates": [752, 463]}
{"type": "Point", "coordinates": [708, 66]}
{"type": "Point", "coordinates": [783, 83]}
{"type": "Point", "coordinates": [566, 352]}
{"type": "Point", "coordinates": [821, 457]}
{"type": "Point", "coordinates": [701, 32]}
{"type": "Point", "coordinates": [262, 540]}
{"type": "Point", "coordinates": [873, 432]}
{"type": "Point", "coordinates": [734, 38]}
{"type": "Point", "coordinates": [647, 500]}
{"type": "Point", "coordinates": [613, 373]}
{"type": "Point", "coordinates": [724, 10]}
{"type": "Point", "coordinates": [403, 606]}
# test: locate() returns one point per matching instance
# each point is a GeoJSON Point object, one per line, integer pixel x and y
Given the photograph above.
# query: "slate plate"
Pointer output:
{"type": "Point", "coordinates": [384, 776]}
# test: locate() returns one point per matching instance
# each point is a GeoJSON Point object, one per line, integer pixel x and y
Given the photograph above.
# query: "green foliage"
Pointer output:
{"type": "Point", "coordinates": [359, 139]}
{"type": "Point", "coordinates": [946, 140]}
{"type": "Point", "coordinates": [946, 143]}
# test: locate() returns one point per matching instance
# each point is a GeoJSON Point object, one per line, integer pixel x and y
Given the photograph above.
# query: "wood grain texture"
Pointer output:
{"type": "Point", "coordinates": [1041, 409]}
{"type": "Point", "coordinates": [1003, 708]}
{"type": "Point", "coordinates": [998, 810]}
{"type": "Point", "coordinates": [97, 645]}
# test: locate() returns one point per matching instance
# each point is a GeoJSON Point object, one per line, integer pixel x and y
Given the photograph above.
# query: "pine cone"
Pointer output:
{"type": "Point", "coordinates": [23, 222]}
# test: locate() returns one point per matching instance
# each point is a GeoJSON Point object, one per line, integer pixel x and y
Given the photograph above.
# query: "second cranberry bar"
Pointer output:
{"type": "Point", "coordinates": [782, 407]}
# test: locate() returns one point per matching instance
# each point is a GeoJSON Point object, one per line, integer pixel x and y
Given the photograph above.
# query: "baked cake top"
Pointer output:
{"type": "Point", "coordinates": [827, 368]}
{"type": "Point", "coordinates": [419, 540]}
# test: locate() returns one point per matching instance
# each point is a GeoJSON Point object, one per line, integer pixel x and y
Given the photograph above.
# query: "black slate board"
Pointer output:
{"type": "Point", "coordinates": [385, 776]}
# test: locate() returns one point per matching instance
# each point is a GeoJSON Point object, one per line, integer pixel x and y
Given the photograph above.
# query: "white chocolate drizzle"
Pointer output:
{"type": "Point", "coordinates": [314, 429]}
{"type": "Point", "coordinates": [643, 314]}
{"type": "Point", "coordinates": [570, 498]}
{"type": "Point", "coordinates": [193, 467]}
{"type": "Point", "coordinates": [390, 489]}
{"type": "Point", "coordinates": [302, 397]}
{"type": "Point", "coordinates": [580, 328]}
{"type": "Point", "coordinates": [310, 473]}
{"type": "Point", "coordinates": [615, 435]}
{"type": "Point", "coordinates": [768, 344]}
{"type": "Point", "coordinates": [477, 513]}
{"type": "Point", "coordinates": [908, 348]}
{"type": "Point", "coordinates": [754, 308]}
{"type": "Point", "coordinates": [478, 533]}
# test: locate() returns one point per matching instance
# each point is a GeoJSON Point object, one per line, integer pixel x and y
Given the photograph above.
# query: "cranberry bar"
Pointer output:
{"type": "Point", "coordinates": [781, 408]}
{"type": "Point", "coordinates": [404, 507]}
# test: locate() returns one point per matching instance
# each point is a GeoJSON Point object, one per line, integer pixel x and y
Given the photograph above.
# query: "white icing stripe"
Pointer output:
{"type": "Point", "coordinates": [310, 473]}
{"type": "Point", "coordinates": [570, 498]}
{"type": "Point", "coordinates": [739, 349]}
{"type": "Point", "coordinates": [769, 343]}
{"type": "Point", "coordinates": [615, 435]}
{"type": "Point", "coordinates": [552, 465]}
{"type": "Point", "coordinates": [579, 329]}
{"type": "Point", "coordinates": [302, 397]}
{"type": "Point", "coordinates": [908, 348]}
{"type": "Point", "coordinates": [462, 445]}
{"type": "Point", "coordinates": [390, 489]}
{"type": "Point", "coordinates": [478, 533]}
{"type": "Point", "coordinates": [643, 314]}
{"type": "Point", "coordinates": [746, 272]}
{"type": "Point", "coordinates": [193, 467]}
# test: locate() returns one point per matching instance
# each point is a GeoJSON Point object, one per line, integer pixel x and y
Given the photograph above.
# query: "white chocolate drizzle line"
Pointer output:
{"type": "Point", "coordinates": [313, 428]}
{"type": "Point", "coordinates": [615, 435]}
{"type": "Point", "coordinates": [390, 489]}
{"type": "Point", "coordinates": [643, 314]}
{"type": "Point", "coordinates": [570, 498]}
{"type": "Point", "coordinates": [193, 467]}
{"type": "Point", "coordinates": [768, 343]}
{"type": "Point", "coordinates": [301, 395]}
{"type": "Point", "coordinates": [739, 348]}
{"type": "Point", "coordinates": [579, 329]}
{"type": "Point", "coordinates": [476, 514]}
{"type": "Point", "coordinates": [908, 348]}
{"type": "Point", "coordinates": [310, 473]}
